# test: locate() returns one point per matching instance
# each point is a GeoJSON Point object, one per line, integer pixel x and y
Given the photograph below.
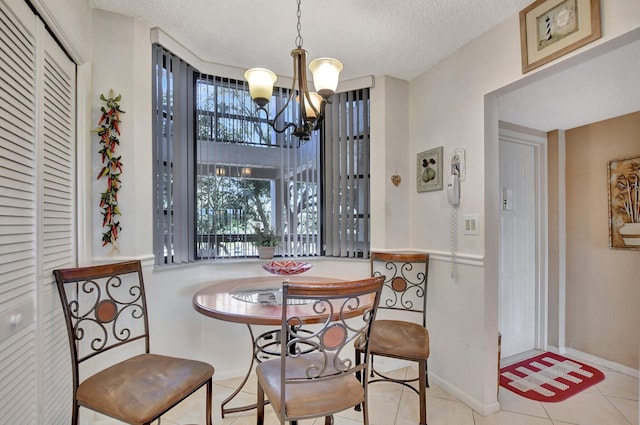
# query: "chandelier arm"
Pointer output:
{"type": "Point", "coordinates": [300, 73]}
{"type": "Point", "coordinates": [305, 97]}
{"type": "Point", "coordinates": [294, 53]}
{"type": "Point", "coordinates": [303, 91]}
{"type": "Point", "coordinates": [280, 112]}
{"type": "Point", "coordinates": [272, 123]}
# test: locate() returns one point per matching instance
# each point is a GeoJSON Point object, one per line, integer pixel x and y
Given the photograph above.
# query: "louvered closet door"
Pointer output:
{"type": "Point", "coordinates": [37, 110]}
{"type": "Point", "coordinates": [56, 92]}
{"type": "Point", "coordinates": [17, 215]}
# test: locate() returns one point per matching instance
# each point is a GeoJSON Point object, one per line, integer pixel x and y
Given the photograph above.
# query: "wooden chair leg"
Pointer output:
{"type": "Point", "coordinates": [423, 391]}
{"type": "Point", "coordinates": [359, 375]}
{"type": "Point", "coordinates": [76, 413]}
{"type": "Point", "coordinates": [365, 413]}
{"type": "Point", "coordinates": [371, 366]}
{"type": "Point", "coordinates": [426, 371]}
{"type": "Point", "coordinates": [260, 406]}
{"type": "Point", "coordinates": [209, 395]}
{"type": "Point", "coordinates": [358, 360]}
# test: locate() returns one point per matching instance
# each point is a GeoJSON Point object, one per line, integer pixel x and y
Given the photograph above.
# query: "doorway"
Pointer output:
{"type": "Point", "coordinates": [522, 302]}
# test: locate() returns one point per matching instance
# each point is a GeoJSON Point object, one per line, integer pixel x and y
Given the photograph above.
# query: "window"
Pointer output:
{"type": "Point", "coordinates": [222, 173]}
{"type": "Point", "coordinates": [249, 178]}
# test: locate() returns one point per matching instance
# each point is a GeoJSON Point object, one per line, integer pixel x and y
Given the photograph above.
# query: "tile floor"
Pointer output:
{"type": "Point", "coordinates": [613, 401]}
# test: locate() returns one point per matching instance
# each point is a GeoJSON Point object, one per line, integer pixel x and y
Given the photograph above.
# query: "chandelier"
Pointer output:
{"type": "Point", "coordinates": [311, 105]}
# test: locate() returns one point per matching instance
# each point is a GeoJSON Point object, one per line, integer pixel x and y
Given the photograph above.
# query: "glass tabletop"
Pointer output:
{"type": "Point", "coordinates": [265, 296]}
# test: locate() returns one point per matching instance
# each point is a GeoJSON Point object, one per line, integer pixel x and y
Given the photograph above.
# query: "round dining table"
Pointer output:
{"type": "Point", "coordinates": [255, 301]}
{"type": "Point", "coordinates": [251, 300]}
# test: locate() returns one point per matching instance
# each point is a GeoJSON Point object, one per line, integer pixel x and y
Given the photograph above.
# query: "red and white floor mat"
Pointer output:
{"type": "Point", "coordinates": [549, 377]}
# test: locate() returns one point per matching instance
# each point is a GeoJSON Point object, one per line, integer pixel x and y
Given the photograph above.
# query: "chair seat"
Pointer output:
{"type": "Point", "coordinates": [403, 340]}
{"type": "Point", "coordinates": [141, 388]}
{"type": "Point", "coordinates": [309, 397]}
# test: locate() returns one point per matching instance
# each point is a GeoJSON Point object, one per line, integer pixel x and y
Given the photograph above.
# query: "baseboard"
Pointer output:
{"type": "Point", "coordinates": [507, 361]}
{"type": "Point", "coordinates": [386, 364]}
{"type": "Point", "coordinates": [477, 406]}
{"type": "Point", "coordinates": [617, 367]}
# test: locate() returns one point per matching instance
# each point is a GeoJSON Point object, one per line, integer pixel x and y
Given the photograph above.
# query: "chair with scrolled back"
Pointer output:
{"type": "Point", "coordinates": [405, 291]}
{"type": "Point", "coordinates": [308, 383]}
{"type": "Point", "coordinates": [105, 311]}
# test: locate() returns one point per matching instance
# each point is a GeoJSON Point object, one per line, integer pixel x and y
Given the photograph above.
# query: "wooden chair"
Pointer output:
{"type": "Point", "coordinates": [404, 290]}
{"type": "Point", "coordinates": [105, 309]}
{"type": "Point", "coordinates": [309, 383]}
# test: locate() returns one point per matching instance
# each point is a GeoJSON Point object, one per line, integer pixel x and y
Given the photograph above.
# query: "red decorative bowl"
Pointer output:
{"type": "Point", "coordinates": [286, 267]}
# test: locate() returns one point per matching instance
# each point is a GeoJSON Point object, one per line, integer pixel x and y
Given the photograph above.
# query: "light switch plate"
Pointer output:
{"type": "Point", "coordinates": [471, 223]}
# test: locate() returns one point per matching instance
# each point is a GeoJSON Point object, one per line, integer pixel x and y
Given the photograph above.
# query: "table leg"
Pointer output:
{"type": "Point", "coordinates": [256, 352]}
{"type": "Point", "coordinates": [225, 410]}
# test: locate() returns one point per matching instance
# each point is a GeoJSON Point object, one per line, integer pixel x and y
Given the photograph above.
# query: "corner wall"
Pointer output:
{"type": "Point", "coordinates": [390, 209]}
{"type": "Point", "coordinates": [602, 284]}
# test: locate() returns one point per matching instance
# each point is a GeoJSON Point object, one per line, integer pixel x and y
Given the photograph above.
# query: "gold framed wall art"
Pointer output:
{"type": "Point", "coordinates": [550, 29]}
{"type": "Point", "coordinates": [624, 203]}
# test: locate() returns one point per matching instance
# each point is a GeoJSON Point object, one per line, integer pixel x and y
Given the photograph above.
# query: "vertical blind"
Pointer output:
{"type": "Point", "coordinates": [347, 146]}
{"type": "Point", "coordinates": [221, 172]}
{"type": "Point", "coordinates": [173, 158]}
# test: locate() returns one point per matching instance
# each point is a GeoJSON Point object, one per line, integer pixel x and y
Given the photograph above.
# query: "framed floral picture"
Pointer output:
{"type": "Point", "coordinates": [550, 29]}
{"type": "Point", "coordinates": [624, 203]}
{"type": "Point", "coordinates": [429, 170]}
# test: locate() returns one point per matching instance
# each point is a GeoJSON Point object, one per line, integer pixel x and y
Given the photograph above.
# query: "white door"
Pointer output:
{"type": "Point", "coordinates": [517, 285]}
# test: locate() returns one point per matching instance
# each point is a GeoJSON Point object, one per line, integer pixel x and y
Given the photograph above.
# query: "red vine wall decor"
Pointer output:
{"type": "Point", "coordinates": [109, 131]}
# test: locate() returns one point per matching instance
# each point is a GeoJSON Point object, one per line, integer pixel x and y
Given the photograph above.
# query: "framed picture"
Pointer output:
{"type": "Point", "coordinates": [429, 170]}
{"type": "Point", "coordinates": [550, 29]}
{"type": "Point", "coordinates": [624, 203]}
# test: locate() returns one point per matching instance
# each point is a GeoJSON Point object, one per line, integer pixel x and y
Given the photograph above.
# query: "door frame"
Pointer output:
{"type": "Point", "coordinates": [538, 140]}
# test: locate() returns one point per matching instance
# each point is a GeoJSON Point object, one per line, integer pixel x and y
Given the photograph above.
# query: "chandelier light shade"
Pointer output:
{"type": "Point", "coordinates": [325, 75]}
{"type": "Point", "coordinates": [261, 83]}
{"type": "Point", "coordinates": [311, 105]}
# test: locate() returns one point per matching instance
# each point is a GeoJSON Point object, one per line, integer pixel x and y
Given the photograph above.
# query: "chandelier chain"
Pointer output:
{"type": "Point", "coordinates": [299, 37]}
{"type": "Point", "coordinates": [310, 105]}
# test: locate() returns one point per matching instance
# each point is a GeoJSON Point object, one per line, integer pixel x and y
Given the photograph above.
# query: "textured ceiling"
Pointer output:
{"type": "Point", "coordinates": [400, 38]}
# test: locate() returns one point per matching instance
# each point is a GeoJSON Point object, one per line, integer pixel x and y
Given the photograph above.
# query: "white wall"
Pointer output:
{"type": "Point", "coordinates": [452, 105]}
{"type": "Point", "coordinates": [390, 208]}
{"type": "Point", "coordinates": [122, 63]}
